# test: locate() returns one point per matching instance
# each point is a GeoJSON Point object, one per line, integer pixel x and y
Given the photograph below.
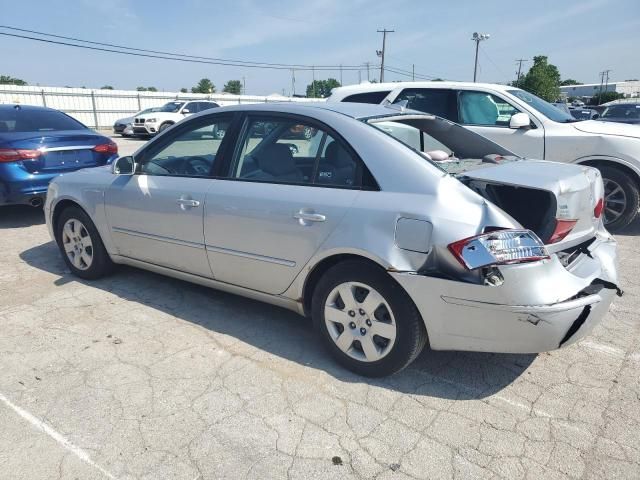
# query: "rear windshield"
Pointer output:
{"type": "Point", "coordinates": [23, 120]}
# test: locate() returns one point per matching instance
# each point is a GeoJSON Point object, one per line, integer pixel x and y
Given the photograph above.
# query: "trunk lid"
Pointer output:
{"type": "Point", "coordinates": [542, 196]}
{"type": "Point", "coordinates": [62, 152]}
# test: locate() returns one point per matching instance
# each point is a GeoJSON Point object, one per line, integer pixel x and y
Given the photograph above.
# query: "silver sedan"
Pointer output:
{"type": "Point", "coordinates": [390, 228]}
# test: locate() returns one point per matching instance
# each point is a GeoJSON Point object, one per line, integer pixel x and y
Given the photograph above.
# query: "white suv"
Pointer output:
{"type": "Point", "coordinates": [528, 126]}
{"type": "Point", "coordinates": [165, 116]}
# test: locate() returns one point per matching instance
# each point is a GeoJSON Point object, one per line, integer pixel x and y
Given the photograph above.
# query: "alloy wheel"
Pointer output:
{"type": "Point", "coordinates": [77, 244]}
{"type": "Point", "coordinates": [360, 321]}
{"type": "Point", "coordinates": [615, 201]}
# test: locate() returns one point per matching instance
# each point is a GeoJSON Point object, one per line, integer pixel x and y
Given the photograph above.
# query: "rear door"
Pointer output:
{"type": "Point", "coordinates": [283, 197]}
{"type": "Point", "coordinates": [156, 215]}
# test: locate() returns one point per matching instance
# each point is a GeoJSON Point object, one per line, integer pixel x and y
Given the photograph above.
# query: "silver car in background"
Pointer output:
{"type": "Point", "coordinates": [390, 228]}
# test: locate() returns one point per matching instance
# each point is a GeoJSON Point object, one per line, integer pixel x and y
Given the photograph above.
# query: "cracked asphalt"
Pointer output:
{"type": "Point", "coordinates": [138, 376]}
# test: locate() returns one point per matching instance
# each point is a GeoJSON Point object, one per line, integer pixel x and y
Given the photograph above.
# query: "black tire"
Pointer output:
{"type": "Point", "coordinates": [629, 187]}
{"type": "Point", "coordinates": [101, 264]}
{"type": "Point", "coordinates": [164, 126]}
{"type": "Point", "coordinates": [411, 335]}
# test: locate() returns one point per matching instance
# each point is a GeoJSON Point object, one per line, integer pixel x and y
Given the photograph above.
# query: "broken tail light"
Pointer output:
{"type": "Point", "coordinates": [599, 208]}
{"type": "Point", "coordinates": [563, 228]}
{"type": "Point", "coordinates": [501, 247]}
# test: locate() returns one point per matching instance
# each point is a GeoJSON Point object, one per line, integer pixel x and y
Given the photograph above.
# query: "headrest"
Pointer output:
{"type": "Point", "coordinates": [276, 159]}
{"type": "Point", "coordinates": [337, 156]}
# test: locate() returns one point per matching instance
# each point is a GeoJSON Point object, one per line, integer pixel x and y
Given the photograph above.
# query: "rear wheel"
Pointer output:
{"type": "Point", "coordinates": [621, 198]}
{"type": "Point", "coordinates": [368, 322]}
{"type": "Point", "coordinates": [81, 245]}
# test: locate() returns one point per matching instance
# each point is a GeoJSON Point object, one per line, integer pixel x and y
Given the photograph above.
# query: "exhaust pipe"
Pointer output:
{"type": "Point", "coordinates": [36, 202]}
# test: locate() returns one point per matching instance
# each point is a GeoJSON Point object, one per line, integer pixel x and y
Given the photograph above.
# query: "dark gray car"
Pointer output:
{"type": "Point", "coordinates": [622, 113]}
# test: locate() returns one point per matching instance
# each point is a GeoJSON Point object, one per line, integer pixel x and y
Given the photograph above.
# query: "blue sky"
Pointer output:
{"type": "Point", "coordinates": [580, 37]}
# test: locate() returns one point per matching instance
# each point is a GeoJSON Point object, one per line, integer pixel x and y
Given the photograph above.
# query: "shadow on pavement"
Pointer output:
{"type": "Point", "coordinates": [451, 375]}
{"type": "Point", "coordinates": [20, 216]}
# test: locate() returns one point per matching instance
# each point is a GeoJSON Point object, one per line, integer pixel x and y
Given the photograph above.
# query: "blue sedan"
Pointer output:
{"type": "Point", "coordinates": [37, 144]}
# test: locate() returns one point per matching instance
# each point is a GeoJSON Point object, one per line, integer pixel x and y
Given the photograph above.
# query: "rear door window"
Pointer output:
{"type": "Point", "coordinates": [287, 150]}
{"type": "Point", "coordinates": [437, 101]}
{"type": "Point", "coordinates": [367, 97]}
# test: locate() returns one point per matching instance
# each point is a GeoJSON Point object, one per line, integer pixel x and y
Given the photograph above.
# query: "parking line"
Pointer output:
{"type": "Point", "coordinates": [58, 437]}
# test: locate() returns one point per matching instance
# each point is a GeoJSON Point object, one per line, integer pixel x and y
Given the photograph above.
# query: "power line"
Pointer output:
{"type": "Point", "coordinates": [167, 55]}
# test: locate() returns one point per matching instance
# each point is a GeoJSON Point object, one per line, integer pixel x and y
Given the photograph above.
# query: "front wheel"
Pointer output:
{"type": "Point", "coordinates": [368, 322]}
{"type": "Point", "coordinates": [81, 245]}
{"type": "Point", "coordinates": [621, 198]}
{"type": "Point", "coordinates": [164, 126]}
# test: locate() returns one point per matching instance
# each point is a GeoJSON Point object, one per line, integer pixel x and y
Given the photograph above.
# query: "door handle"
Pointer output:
{"type": "Point", "coordinates": [306, 217]}
{"type": "Point", "coordinates": [187, 203]}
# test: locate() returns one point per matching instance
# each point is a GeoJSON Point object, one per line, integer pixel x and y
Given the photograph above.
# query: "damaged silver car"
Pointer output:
{"type": "Point", "coordinates": [392, 229]}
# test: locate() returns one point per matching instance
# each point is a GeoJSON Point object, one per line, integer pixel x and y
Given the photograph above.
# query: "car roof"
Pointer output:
{"type": "Point", "coordinates": [342, 92]}
{"type": "Point", "coordinates": [19, 106]}
{"type": "Point", "coordinates": [353, 110]}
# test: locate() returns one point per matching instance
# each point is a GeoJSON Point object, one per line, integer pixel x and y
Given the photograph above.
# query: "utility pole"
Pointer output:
{"type": "Point", "coordinates": [478, 37]}
{"type": "Point", "coordinates": [244, 85]}
{"type": "Point", "coordinates": [413, 72]}
{"type": "Point", "coordinates": [381, 53]}
{"type": "Point", "coordinates": [520, 61]}
{"type": "Point", "coordinates": [359, 76]}
{"type": "Point", "coordinates": [367, 64]}
{"type": "Point", "coordinates": [293, 82]}
{"type": "Point", "coordinates": [606, 84]}
{"type": "Point", "coordinates": [313, 80]}
{"type": "Point", "coordinates": [601, 82]}
{"type": "Point", "coordinates": [340, 74]}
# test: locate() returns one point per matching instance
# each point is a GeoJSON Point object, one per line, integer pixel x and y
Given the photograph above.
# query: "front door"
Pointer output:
{"type": "Point", "coordinates": [290, 186]}
{"type": "Point", "coordinates": [156, 215]}
{"type": "Point", "coordinates": [489, 115]}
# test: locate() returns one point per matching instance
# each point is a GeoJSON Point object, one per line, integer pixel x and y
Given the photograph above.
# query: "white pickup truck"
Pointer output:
{"type": "Point", "coordinates": [165, 116]}
{"type": "Point", "coordinates": [529, 127]}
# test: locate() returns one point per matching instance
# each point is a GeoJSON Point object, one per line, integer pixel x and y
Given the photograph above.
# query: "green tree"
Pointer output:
{"type": "Point", "coordinates": [604, 97]}
{"type": "Point", "coordinates": [106, 87]}
{"type": "Point", "coordinates": [141, 89]}
{"type": "Point", "coordinates": [569, 81]}
{"type": "Point", "coordinates": [9, 80]}
{"type": "Point", "coordinates": [322, 88]}
{"type": "Point", "coordinates": [542, 79]}
{"type": "Point", "coordinates": [184, 90]}
{"type": "Point", "coordinates": [152, 89]}
{"type": "Point", "coordinates": [233, 86]}
{"type": "Point", "coordinates": [204, 86]}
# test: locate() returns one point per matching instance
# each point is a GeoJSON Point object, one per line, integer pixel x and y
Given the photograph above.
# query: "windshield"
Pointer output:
{"type": "Point", "coordinates": [148, 110]}
{"type": "Point", "coordinates": [542, 106]}
{"type": "Point", "coordinates": [26, 120]}
{"type": "Point", "coordinates": [171, 107]}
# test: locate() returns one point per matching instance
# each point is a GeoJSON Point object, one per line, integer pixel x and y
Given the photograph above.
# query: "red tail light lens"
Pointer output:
{"type": "Point", "coordinates": [597, 211]}
{"type": "Point", "coordinates": [106, 148]}
{"type": "Point", "coordinates": [563, 228]}
{"type": "Point", "coordinates": [15, 155]}
{"type": "Point", "coordinates": [501, 247]}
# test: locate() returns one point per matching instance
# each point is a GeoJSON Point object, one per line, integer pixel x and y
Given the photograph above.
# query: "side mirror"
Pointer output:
{"type": "Point", "coordinates": [123, 166]}
{"type": "Point", "coordinates": [520, 120]}
{"type": "Point", "coordinates": [595, 116]}
{"type": "Point", "coordinates": [185, 110]}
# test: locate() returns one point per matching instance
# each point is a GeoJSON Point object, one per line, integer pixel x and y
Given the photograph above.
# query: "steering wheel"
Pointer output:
{"type": "Point", "coordinates": [196, 166]}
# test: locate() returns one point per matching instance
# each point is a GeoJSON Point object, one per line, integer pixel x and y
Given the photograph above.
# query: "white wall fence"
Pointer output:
{"type": "Point", "coordinates": [101, 108]}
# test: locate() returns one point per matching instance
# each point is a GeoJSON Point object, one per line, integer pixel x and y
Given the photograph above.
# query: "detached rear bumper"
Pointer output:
{"type": "Point", "coordinates": [540, 306]}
